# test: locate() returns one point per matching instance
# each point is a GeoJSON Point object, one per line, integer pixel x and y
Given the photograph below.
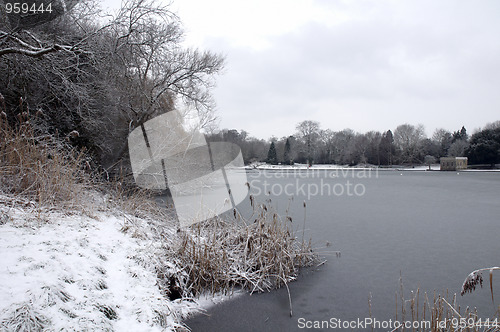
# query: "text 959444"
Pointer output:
{"type": "Point", "coordinates": [27, 8]}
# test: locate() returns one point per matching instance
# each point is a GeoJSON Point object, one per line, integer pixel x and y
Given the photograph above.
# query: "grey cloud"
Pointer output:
{"type": "Point", "coordinates": [439, 60]}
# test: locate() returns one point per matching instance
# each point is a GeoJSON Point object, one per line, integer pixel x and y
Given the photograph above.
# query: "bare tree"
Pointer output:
{"type": "Point", "coordinates": [344, 146]}
{"type": "Point", "coordinates": [407, 139]}
{"type": "Point", "coordinates": [147, 42]}
{"type": "Point", "coordinates": [17, 17]}
{"type": "Point", "coordinates": [443, 139]}
{"type": "Point", "coordinates": [492, 125]}
{"type": "Point", "coordinates": [373, 154]}
{"type": "Point", "coordinates": [151, 71]}
{"type": "Point", "coordinates": [49, 66]}
{"type": "Point", "coordinates": [458, 148]}
{"type": "Point", "coordinates": [308, 131]}
{"type": "Point", "coordinates": [361, 148]}
{"type": "Point", "coordinates": [105, 79]}
{"type": "Point", "coordinates": [328, 141]}
{"type": "Point", "coordinates": [429, 160]}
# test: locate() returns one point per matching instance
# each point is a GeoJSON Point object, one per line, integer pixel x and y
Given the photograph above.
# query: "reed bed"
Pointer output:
{"type": "Point", "coordinates": [439, 313]}
{"type": "Point", "coordinates": [257, 255]}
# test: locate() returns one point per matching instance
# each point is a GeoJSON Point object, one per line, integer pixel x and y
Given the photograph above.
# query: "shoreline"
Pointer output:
{"type": "Point", "coordinates": [334, 167]}
{"type": "Point", "coordinates": [115, 268]}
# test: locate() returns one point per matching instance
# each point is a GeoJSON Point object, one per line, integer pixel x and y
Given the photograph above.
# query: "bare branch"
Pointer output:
{"type": "Point", "coordinates": [32, 53]}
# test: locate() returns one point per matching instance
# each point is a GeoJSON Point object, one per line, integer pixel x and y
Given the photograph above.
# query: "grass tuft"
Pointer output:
{"type": "Point", "coordinates": [108, 311]}
{"type": "Point", "coordinates": [25, 318]}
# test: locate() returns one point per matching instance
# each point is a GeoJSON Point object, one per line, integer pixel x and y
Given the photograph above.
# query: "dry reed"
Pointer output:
{"type": "Point", "coordinates": [257, 255]}
{"type": "Point", "coordinates": [36, 165]}
{"type": "Point", "coordinates": [440, 313]}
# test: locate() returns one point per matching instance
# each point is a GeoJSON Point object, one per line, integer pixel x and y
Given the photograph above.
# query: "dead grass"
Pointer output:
{"type": "Point", "coordinates": [215, 256]}
{"type": "Point", "coordinates": [442, 312]}
{"type": "Point", "coordinates": [218, 255]}
{"type": "Point", "coordinates": [38, 166]}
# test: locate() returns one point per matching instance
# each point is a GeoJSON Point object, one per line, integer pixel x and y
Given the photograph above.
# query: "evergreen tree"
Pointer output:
{"type": "Point", "coordinates": [484, 147]}
{"type": "Point", "coordinates": [460, 135]}
{"type": "Point", "coordinates": [272, 158]}
{"type": "Point", "coordinates": [387, 148]}
{"type": "Point", "coordinates": [463, 134]}
{"type": "Point", "coordinates": [286, 153]}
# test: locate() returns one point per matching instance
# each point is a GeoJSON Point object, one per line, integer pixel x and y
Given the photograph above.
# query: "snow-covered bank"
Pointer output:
{"type": "Point", "coordinates": [71, 271]}
{"type": "Point", "coordinates": [97, 267]}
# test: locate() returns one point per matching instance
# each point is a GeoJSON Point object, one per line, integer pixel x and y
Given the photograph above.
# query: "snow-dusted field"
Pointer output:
{"type": "Point", "coordinates": [75, 271]}
{"type": "Point", "coordinates": [89, 265]}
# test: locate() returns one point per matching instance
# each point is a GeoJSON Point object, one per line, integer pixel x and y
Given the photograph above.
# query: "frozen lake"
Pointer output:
{"type": "Point", "coordinates": [433, 228]}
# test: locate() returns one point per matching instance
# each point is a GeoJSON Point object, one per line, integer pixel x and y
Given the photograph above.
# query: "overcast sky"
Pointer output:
{"type": "Point", "coordinates": [364, 65]}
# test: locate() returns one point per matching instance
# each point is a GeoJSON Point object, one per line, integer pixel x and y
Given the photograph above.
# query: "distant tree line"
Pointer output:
{"type": "Point", "coordinates": [406, 145]}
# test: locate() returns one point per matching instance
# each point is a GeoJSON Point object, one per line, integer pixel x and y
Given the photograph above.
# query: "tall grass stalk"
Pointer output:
{"type": "Point", "coordinates": [442, 312]}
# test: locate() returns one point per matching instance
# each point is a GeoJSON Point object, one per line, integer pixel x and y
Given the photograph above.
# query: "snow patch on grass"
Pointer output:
{"type": "Point", "coordinates": [74, 272]}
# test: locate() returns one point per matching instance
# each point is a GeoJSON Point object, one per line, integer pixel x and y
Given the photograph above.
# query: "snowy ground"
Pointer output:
{"type": "Point", "coordinates": [76, 271]}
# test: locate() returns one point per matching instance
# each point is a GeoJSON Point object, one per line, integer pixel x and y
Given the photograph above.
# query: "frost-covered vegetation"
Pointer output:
{"type": "Point", "coordinates": [82, 253]}
{"type": "Point", "coordinates": [73, 271]}
{"type": "Point", "coordinates": [101, 267]}
{"type": "Point", "coordinates": [441, 313]}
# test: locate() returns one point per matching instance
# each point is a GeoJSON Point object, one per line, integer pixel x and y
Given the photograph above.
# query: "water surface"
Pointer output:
{"type": "Point", "coordinates": [431, 228]}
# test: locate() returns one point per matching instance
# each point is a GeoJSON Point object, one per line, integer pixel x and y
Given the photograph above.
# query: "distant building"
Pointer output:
{"type": "Point", "coordinates": [453, 163]}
